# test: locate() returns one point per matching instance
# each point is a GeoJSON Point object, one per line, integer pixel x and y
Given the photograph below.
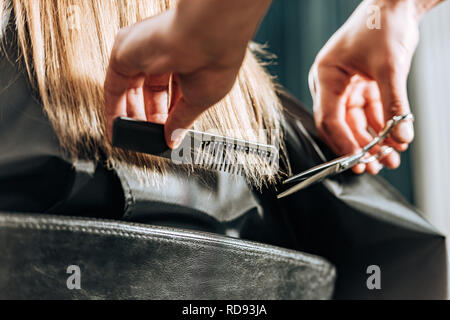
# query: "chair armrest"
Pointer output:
{"type": "Point", "coordinates": [131, 261]}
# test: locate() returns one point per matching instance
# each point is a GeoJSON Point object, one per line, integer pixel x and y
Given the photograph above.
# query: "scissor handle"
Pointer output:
{"type": "Point", "coordinates": [391, 124]}
{"type": "Point", "coordinates": [383, 153]}
{"type": "Point", "coordinates": [347, 162]}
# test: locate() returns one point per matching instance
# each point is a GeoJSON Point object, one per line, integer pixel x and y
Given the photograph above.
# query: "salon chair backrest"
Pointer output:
{"type": "Point", "coordinates": [50, 257]}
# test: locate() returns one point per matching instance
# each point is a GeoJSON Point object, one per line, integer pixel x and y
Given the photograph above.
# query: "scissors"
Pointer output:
{"type": "Point", "coordinates": [335, 167]}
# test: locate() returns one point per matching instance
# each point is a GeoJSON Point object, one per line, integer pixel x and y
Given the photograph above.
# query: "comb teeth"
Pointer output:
{"type": "Point", "coordinates": [225, 154]}
{"type": "Point", "coordinates": [206, 150]}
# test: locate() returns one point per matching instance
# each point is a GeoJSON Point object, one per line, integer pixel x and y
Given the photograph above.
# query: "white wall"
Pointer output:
{"type": "Point", "coordinates": [430, 99]}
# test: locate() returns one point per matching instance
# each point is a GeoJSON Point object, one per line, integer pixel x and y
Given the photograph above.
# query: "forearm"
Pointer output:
{"type": "Point", "coordinates": [233, 22]}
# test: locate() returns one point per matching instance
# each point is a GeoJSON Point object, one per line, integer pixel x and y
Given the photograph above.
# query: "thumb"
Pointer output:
{"type": "Point", "coordinates": [181, 118]}
{"type": "Point", "coordinates": [394, 95]}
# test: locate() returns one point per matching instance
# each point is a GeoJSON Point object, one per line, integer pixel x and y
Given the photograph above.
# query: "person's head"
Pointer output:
{"type": "Point", "coordinates": [66, 44]}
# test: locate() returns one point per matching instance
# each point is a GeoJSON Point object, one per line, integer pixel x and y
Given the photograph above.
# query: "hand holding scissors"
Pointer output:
{"type": "Point", "coordinates": [335, 167]}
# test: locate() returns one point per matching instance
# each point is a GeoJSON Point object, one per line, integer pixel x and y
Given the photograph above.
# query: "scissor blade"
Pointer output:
{"type": "Point", "coordinates": [306, 174]}
{"type": "Point", "coordinates": [310, 181]}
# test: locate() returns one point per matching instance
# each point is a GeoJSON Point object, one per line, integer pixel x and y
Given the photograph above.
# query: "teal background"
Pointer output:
{"type": "Point", "coordinates": [295, 31]}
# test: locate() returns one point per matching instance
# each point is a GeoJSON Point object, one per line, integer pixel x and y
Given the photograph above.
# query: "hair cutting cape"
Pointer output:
{"type": "Point", "coordinates": [358, 222]}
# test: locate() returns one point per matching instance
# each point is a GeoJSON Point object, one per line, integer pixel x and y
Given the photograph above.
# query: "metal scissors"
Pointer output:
{"type": "Point", "coordinates": [335, 167]}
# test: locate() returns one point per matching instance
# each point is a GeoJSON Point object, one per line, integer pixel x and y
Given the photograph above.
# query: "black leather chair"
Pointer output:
{"type": "Point", "coordinates": [130, 261]}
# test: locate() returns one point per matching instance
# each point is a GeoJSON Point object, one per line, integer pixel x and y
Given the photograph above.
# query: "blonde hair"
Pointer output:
{"type": "Point", "coordinates": [66, 57]}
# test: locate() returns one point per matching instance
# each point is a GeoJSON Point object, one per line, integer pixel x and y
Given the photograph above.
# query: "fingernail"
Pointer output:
{"type": "Point", "coordinates": [177, 138]}
{"type": "Point", "coordinates": [359, 169]}
{"type": "Point", "coordinates": [404, 132]}
{"type": "Point", "coordinates": [378, 167]}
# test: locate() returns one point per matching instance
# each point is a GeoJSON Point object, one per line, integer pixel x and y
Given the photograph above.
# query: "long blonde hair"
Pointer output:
{"type": "Point", "coordinates": [68, 64]}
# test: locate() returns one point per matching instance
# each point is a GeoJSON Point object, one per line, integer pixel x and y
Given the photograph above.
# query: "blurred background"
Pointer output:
{"type": "Point", "coordinates": [296, 30]}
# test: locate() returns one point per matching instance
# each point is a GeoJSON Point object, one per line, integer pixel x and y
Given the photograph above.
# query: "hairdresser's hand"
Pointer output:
{"type": "Point", "coordinates": [202, 44]}
{"type": "Point", "coordinates": [359, 79]}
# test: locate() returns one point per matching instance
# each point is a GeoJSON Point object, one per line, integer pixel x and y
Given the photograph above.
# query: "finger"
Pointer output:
{"type": "Point", "coordinates": [400, 147]}
{"type": "Point", "coordinates": [375, 115]}
{"type": "Point", "coordinates": [393, 88]}
{"type": "Point", "coordinates": [374, 107]}
{"type": "Point", "coordinates": [156, 97]}
{"type": "Point", "coordinates": [374, 167]}
{"type": "Point", "coordinates": [205, 89]}
{"type": "Point", "coordinates": [336, 140]}
{"type": "Point", "coordinates": [391, 161]}
{"type": "Point", "coordinates": [181, 117]}
{"type": "Point", "coordinates": [135, 98]}
{"type": "Point", "coordinates": [355, 94]}
{"type": "Point", "coordinates": [330, 109]}
{"type": "Point", "coordinates": [115, 94]}
{"type": "Point", "coordinates": [359, 168]}
{"type": "Point", "coordinates": [357, 121]}
{"type": "Point", "coordinates": [330, 86]}
{"type": "Point", "coordinates": [362, 135]}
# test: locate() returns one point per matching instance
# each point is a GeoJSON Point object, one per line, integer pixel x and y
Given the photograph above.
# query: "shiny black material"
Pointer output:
{"type": "Point", "coordinates": [119, 260]}
{"type": "Point", "coordinates": [353, 221]}
{"type": "Point", "coordinates": [360, 221]}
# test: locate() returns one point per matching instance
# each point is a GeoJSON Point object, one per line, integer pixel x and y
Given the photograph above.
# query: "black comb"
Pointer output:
{"type": "Point", "coordinates": [198, 148]}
